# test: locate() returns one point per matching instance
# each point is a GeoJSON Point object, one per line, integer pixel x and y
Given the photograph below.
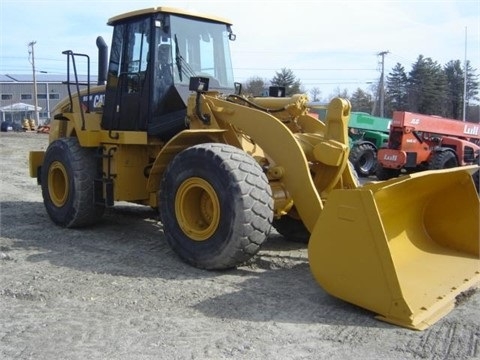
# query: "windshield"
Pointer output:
{"type": "Point", "coordinates": [200, 48]}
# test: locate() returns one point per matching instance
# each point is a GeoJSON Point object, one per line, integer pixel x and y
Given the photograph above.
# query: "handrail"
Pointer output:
{"type": "Point", "coordinates": [77, 83]}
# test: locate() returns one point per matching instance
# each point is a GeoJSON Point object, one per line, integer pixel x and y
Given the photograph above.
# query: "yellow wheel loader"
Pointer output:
{"type": "Point", "coordinates": [167, 127]}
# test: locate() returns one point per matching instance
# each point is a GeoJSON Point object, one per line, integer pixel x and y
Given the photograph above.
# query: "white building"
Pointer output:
{"type": "Point", "coordinates": [17, 95]}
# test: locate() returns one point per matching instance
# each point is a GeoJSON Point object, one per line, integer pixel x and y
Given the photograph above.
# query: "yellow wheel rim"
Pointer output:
{"type": "Point", "coordinates": [197, 209]}
{"type": "Point", "coordinates": [58, 186]}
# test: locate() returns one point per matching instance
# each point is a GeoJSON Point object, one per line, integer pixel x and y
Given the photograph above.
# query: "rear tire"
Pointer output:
{"type": "Point", "coordinates": [67, 179]}
{"type": "Point", "coordinates": [383, 173]}
{"type": "Point", "coordinates": [216, 206]}
{"type": "Point", "coordinates": [443, 160]}
{"type": "Point", "coordinates": [364, 159]}
{"type": "Point", "coordinates": [292, 229]}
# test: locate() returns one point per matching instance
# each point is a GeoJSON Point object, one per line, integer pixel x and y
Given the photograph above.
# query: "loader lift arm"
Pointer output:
{"type": "Point", "coordinates": [291, 157]}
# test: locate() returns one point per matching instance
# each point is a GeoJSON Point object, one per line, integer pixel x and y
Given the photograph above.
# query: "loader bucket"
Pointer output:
{"type": "Point", "coordinates": [403, 248]}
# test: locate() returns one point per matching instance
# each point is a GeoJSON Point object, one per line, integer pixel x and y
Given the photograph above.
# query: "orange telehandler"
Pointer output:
{"type": "Point", "coordinates": [168, 128]}
{"type": "Point", "coordinates": [421, 142]}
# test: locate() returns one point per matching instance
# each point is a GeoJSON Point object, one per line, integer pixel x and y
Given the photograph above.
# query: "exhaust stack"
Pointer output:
{"type": "Point", "coordinates": [102, 61]}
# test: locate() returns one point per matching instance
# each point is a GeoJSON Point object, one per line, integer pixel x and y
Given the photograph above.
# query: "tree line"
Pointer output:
{"type": "Point", "coordinates": [428, 88]}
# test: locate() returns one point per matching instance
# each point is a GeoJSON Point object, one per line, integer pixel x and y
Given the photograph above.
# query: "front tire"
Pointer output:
{"type": "Point", "coordinates": [67, 179]}
{"type": "Point", "coordinates": [216, 206]}
{"type": "Point", "coordinates": [364, 159]}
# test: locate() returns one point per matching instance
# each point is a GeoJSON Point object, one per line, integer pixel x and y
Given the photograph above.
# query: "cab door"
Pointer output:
{"type": "Point", "coordinates": [127, 97]}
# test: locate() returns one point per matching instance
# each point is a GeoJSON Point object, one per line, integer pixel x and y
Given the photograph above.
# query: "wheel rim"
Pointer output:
{"type": "Point", "coordinates": [366, 162]}
{"type": "Point", "coordinates": [197, 209]}
{"type": "Point", "coordinates": [58, 186]}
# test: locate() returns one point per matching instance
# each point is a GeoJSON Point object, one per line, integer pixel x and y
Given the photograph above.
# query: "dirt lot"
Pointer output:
{"type": "Point", "coordinates": [116, 291]}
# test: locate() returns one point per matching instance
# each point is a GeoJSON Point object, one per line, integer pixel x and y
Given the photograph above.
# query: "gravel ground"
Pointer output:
{"type": "Point", "coordinates": [117, 291]}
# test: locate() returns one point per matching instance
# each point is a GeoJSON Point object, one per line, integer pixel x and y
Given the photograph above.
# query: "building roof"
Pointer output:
{"type": "Point", "coordinates": [18, 107]}
{"type": "Point", "coordinates": [5, 78]}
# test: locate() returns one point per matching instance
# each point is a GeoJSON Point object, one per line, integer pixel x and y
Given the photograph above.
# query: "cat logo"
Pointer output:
{"type": "Point", "coordinates": [98, 101]}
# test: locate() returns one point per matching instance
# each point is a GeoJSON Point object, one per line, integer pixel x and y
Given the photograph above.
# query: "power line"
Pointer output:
{"type": "Point", "coordinates": [307, 69]}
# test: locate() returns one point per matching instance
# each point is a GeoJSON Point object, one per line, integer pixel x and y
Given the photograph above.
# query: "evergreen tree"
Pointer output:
{"type": "Point", "coordinates": [286, 78]}
{"type": "Point", "coordinates": [361, 101]}
{"type": "Point", "coordinates": [396, 95]}
{"type": "Point", "coordinates": [455, 80]}
{"type": "Point", "coordinates": [427, 86]}
{"type": "Point", "coordinates": [472, 83]}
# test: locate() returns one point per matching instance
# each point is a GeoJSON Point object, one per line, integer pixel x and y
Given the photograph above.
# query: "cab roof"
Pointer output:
{"type": "Point", "coordinates": [168, 10]}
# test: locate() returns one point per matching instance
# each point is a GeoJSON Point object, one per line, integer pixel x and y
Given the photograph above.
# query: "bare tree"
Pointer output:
{"type": "Point", "coordinates": [255, 86]}
{"type": "Point", "coordinates": [315, 94]}
{"type": "Point", "coordinates": [337, 92]}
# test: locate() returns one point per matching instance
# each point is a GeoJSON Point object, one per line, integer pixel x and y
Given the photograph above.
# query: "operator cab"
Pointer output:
{"type": "Point", "coordinates": [154, 53]}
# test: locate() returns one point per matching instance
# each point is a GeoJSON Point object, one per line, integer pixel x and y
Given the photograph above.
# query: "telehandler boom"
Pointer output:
{"type": "Point", "coordinates": [171, 130]}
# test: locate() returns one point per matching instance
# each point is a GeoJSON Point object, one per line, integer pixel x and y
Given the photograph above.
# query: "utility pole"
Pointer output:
{"type": "Point", "coordinates": [35, 97]}
{"type": "Point", "coordinates": [464, 112]}
{"type": "Point", "coordinates": [381, 87]}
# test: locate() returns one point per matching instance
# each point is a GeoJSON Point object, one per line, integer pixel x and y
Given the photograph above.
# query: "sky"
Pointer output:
{"type": "Point", "coordinates": [329, 45]}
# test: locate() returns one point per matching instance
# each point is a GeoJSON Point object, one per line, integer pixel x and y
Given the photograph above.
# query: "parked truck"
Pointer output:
{"type": "Point", "coordinates": [425, 142]}
{"type": "Point", "coordinates": [171, 130]}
